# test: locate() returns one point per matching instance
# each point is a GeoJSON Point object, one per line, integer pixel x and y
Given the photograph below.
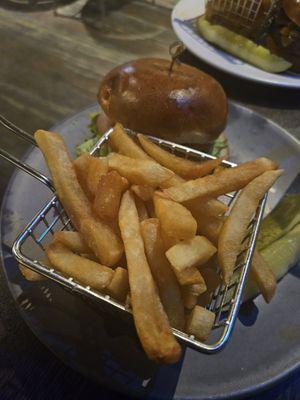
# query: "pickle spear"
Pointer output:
{"type": "Point", "coordinates": [241, 47]}
{"type": "Point", "coordinates": [281, 255]}
{"type": "Point", "coordinates": [280, 221]}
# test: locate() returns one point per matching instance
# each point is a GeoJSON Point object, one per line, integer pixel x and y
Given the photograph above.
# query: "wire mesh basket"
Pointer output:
{"type": "Point", "coordinates": [251, 18]}
{"type": "Point", "coordinates": [29, 247]}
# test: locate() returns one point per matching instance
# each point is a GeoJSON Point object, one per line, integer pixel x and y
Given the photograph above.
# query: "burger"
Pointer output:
{"type": "Point", "coordinates": [264, 33]}
{"type": "Point", "coordinates": [284, 35]}
{"type": "Point", "coordinates": [176, 102]}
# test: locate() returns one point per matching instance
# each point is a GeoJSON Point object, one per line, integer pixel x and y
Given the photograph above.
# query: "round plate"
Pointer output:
{"type": "Point", "coordinates": [183, 19]}
{"type": "Point", "coordinates": [103, 345]}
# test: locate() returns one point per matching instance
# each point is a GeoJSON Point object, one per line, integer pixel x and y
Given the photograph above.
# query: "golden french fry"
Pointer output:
{"type": "Point", "coordinates": [185, 168]}
{"type": "Point", "coordinates": [200, 323]}
{"type": "Point", "coordinates": [139, 172]}
{"type": "Point", "coordinates": [210, 227]}
{"type": "Point", "coordinates": [235, 226]}
{"type": "Point", "coordinates": [169, 290]}
{"type": "Point", "coordinates": [219, 169]}
{"type": "Point", "coordinates": [207, 214]}
{"type": "Point", "coordinates": [150, 319]}
{"type": "Point", "coordinates": [122, 143]}
{"type": "Point", "coordinates": [223, 182]}
{"type": "Point", "coordinates": [144, 192]}
{"type": "Point", "coordinates": [186, 255]}
{"type": "Point", "coordinates": [97, 167]}
{"type": "Point", "coordinates": [31, 275]}
{"type": "Point", "coordinates": [207, 207]}
{"type": "Point", "coordinates": [108, 195]}
{"type": "Point", "coordinates": [141, 209]}
{"type": "Point", "coordinates": [177, 222]}
{"type": "Point", "coordinates": [128, 300]}
{"type": "Point", "coordinates": [263, 276]}
{"type": "Point", "coordinates": [175, 180]}
{"type": "Point", "coordinates": [81, 165]}
{"type": "Point", "coordinates": [190, 294]}
{"type": "Point", "coordinates": [118, 287]}
{"type": "Point", "coordinates": [212, 280]}
{"type": "Point", "coordinates": [85, 271]}
{"type": "Point", "coordinates": [73, 241]}
{"type": "Point", "coordinates": [106, 245]}
{"type": "Point", "coordinates": [188, 276]}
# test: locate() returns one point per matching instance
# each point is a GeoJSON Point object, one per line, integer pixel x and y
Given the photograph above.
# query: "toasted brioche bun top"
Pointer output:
{"type": "Point", "coordinates": [185, 105]}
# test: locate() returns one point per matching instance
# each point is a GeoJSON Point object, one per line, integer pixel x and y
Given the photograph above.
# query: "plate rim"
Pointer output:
{"type": "Point", "coordinates": [258, 388]}
{"type": "Point", "coordinates": [181, 34]}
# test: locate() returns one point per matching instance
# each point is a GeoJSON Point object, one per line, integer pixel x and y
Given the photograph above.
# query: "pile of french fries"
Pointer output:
{"type": "Point", "coordinates": [151, 231]}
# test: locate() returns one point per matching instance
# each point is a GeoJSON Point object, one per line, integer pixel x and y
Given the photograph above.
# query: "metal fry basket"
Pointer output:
{"type": "Point", "coordinates": [30, 245]}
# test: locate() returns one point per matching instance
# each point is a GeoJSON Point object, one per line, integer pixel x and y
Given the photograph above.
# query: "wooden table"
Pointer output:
{"type": "Point", "coordinates": [50, 68]}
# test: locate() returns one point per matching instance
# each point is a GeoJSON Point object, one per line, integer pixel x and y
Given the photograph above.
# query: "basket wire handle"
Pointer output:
{"type": "Point", "coordinates": [18, 163]}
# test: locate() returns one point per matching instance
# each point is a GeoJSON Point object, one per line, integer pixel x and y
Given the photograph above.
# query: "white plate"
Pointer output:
{"type": "Point", "coordinates": [183, 19]}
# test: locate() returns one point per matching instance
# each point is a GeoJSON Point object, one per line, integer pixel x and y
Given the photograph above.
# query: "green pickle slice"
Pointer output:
{"type": "Point", "coordinates": [280, 221]}
{"type": "Point", "coordinates": [281, 255]}
{"type": "Point", "coordinates": [241, 47]}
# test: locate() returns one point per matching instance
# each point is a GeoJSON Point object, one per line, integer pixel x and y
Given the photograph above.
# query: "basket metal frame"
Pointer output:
{"type": "Point", "coordinates": [224, 302]}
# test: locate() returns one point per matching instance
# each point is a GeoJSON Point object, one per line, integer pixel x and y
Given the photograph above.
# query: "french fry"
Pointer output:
{"type": "Point", "coordinates": [169, 290]}
{"type": "Point", "coordinates": [208, 224]}
{"type": "Point", "coordinates": [101, 239]}
{"type": "Point", "coordinates": [73, 241]}
{"type": "Point", "coordinates": [85, 271]}
{"type": "Point", "coordinates": [177, 222]}
{"type": "Point", "coordinates": [200, 323]}
{"type": "Point", "coordinates": [207, 207]}
{"type": "Point", "coordinates": [210, 227]}
{"type": "Point", "coordinates": [263, 276]}
{"type": "Point", "coordinates": [128, 300]}
{"type": "Point", "coordinates": [219, 169]}
{"type": "Point", "coordinates": [97, 167]}
{"type": "Point", "coordinates": [139, 172]}
{"type": "Point", "coordinates": [188, 254]}
{"type": "Point", "coordinates": [141, 209]}
{"type": "Point", "coordinates": [223, 182]}
{"type": "Point", "coordinates": [212, 280]}
{"type": "Point", "coordinates": [185, 168]}
{"type": "Point", "coordinates": [81, 165]}
{"type": "Point", "coordinates": [235, 226]}
{"type": "Point", "coordinates": [190, 294]}
{"type": "Point", "coordinates": [144, 192]}
{"type": "Point", "coordinates": [31, 275]}
{"type": "Point", "coordinates": [108, 195]}
{"type": "Point", "coordinates": [175, 180]}
{"type": "Point", "coordinates": [122, 143]}
{"type": "Point", "coordinates": [188, 276]}
{"type": "Point", "coordinates": [259, 271]}
{"type": "Point", "coordinates": [118, 287]}
{"type": "Point", "coordinates": [150, 319]}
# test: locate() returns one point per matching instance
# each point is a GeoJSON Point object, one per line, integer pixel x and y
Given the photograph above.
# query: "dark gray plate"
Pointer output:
{"type": "Point", "coordinates": [266, 341]}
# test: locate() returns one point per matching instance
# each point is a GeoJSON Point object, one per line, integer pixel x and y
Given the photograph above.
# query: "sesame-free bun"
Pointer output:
{"type": "Point", "coordinates": [185, 105]}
